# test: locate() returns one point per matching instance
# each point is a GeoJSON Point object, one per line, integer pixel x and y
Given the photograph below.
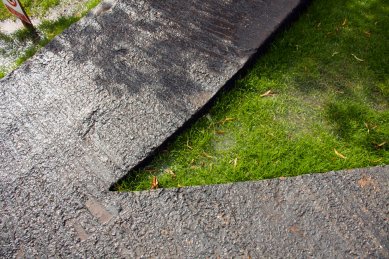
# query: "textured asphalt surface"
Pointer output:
{"type": "Point", "coordinates": [103, 95]}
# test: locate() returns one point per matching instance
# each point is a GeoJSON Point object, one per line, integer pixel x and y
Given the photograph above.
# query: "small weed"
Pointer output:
{"type": "Point", "coordinates": [5, 37]}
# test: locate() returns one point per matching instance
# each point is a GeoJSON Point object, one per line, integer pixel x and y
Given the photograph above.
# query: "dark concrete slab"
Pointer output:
{"type": "Point", "coordinates": [106, 93]}
{"type": "Point", "coordinates": [332, 215]}
{"type": "Point", "coordinates": [118, 83]}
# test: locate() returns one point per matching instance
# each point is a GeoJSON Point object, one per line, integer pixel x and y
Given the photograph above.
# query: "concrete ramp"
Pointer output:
{"type": "Point", "coordinates": [114, 86]}
{"type": "Point", "coordinates": [95, 102]}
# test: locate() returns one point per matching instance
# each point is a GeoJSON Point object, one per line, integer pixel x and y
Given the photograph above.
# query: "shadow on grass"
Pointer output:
{"type": "Point", "coordinates": [351, 80]}
{"type": "Point", "coordinates": [331, 67]}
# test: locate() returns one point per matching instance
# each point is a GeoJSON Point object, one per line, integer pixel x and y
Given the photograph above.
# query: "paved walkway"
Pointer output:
{"type": "Point", "coordinates": [103, 95]}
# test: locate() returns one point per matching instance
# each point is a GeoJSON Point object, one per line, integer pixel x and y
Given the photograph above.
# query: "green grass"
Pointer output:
{"type": "Point", "coordinates": [47, 30]}
{"type": "Point", "coordinates": [36, 8]}
{"type": "Point", "coordinates": [329, 73]}
{"type": "Point", "coordinates": [39, 8]}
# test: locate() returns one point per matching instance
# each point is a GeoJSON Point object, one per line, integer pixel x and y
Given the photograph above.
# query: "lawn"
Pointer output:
{"type": "Point", "coordinates": [316, 101]}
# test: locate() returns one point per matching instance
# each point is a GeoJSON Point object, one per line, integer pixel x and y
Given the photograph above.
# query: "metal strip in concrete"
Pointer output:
{"type": "Point", "coordinates": [106, 93]}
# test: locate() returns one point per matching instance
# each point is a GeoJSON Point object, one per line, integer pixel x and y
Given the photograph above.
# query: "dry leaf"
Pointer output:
{"type": "Point", "coordinates": [358, 59]}
{"type": "Point", "coordinates": [154, 183]}
{"type": "Point", "coordinates": [268, 93]}
{"type": "Point", "coordinates": [367, 181]}
{"type": "Point", "coordinates": [296, 230]}
{"type": "Point", "coordinates": [344, 22]}
{"type": "Point", "coordinates": [367, 33]}
{"type": "Point", "coordinates": [220, 132]}
{"type": "Point", "coordinates": [339, 154]}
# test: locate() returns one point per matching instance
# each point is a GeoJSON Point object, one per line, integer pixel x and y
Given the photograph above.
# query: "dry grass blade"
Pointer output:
{"type": "Point", "coordinates": [150, 170]}
{"type": "Point", "coordinates": [170, 172]}
{"type": "Point", "coordinates": [207, 155]}
{"type": "Point", "coordinates": [380, 145]}
{"type": "Point", "coordinates": [187, 144]}
{"type": "Point", "coordinates": [234, 162]}
{"type": "Point", "coordinates": [226, 120]}
{"type": "Point", "coordinates": [367, 127]}
{"type": "Point", "coordinates": [339, 154]}
{"type": "Point", "coordinates": [220, 132]}
{"type": "Point", "coordinates": [376, 160]}
{"type": "Point", "coordinates": [358, 59]}
{"type": "Point", "coordinates": [268, 93]}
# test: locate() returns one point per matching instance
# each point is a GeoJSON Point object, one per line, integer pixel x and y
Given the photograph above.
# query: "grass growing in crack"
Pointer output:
{"type": "Point", "coordinates": [36, 8]}
{"type": "Point", "coordinates": [327, 108]}
{"type": "Point", "coordinates": [47, 29]}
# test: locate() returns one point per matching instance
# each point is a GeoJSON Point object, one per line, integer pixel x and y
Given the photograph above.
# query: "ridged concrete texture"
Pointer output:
{"type": "Point", "coordinates": [103, 95]}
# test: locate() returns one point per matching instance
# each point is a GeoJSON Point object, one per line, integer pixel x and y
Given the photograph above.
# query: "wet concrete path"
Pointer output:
{"type": "Point", "coordinates": [104, 94]}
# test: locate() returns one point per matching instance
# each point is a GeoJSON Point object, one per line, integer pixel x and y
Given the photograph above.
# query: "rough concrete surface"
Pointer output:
{"type": "Point", "coordinates": [103, 95]}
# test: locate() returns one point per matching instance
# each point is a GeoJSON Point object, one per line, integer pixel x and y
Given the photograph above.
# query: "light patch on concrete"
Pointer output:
{"type": "Point", "coordinates": [97, 210]}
